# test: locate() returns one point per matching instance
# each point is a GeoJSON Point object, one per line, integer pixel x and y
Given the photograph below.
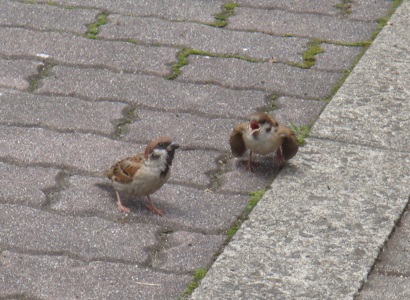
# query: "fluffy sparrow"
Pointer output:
{"type": "Point", "coordinates": [143, 174]}
{"type": "Point", "coordinates": [263, 135]}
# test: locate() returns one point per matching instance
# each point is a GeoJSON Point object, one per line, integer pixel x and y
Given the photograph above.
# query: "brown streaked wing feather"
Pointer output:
{"type": "Point", "coordinates": [236, 142]}
{"type": "Point", "coordinates": [124, 170]}
{"type": "Point", "coordinates": [290, 145]}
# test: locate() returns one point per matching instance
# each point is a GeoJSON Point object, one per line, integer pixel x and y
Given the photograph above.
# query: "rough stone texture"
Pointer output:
{"type": "Point", "coordinates": [336, 58]}
{"type": "Point", "coordinates": [383, 89]}
{"type": "Point", "coordinates": [15, 73]}
{"type": "Point", "coordinates": [86, 238]}
{"type": "Point", "coordinates": [67, 48]}
{"type": "Point", "coordinates": [219, 41]}
{"type": "Point", "coordinates": [61, 113]}
{"type": "Point", "coordinates": [61, 277]}
{"type": "Point", "coordinates": [369, 10]}
{"type": "Point", "coordinates": [153, 92]}
{"type": "Point", "coordinates": [25, 186]}
{"type": "Point", "coordinates": [187, 129]}
{"type": "Point", "coordinates": [316, 232]}
{"type": "Point", "coordinates": [276, 78]}
{"type": "Point", "coordinates": [301, 6]}
{"type": "Point", "coordinates": [380, 287]}
{"type": "Point", "coordinates": [45, 17]}
{"type": "Point", "coordinates": [297, 111]}
{"type": "Point", "coordinates": [301, 25]}
{"type": "Point", "coordinates": [201, 11]}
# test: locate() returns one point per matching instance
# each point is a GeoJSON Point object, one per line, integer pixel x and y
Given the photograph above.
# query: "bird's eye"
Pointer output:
{"type": "Point", "coordinates": [262, 122]}
{"type": "Point", "coordinates": [161, 145]}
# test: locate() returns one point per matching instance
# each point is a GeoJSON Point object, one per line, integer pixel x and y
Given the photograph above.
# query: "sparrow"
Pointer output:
{"type": "Point", "coordinates": [263, 135]}
{"type": "Point", "coordinates": [145, 173]}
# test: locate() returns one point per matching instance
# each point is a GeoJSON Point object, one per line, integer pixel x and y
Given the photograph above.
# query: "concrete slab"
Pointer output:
{"type": "Point", "coordinates": [316, 232]}
{"type": "Point", "coordinates": [380, 287]}
{"type": "Point", "coordinates": [336, 57]}
{"type": "Point", "coordinates": [15, 74]}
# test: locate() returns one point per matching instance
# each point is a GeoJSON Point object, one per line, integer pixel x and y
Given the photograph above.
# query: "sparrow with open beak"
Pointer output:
{"type": "Point", "coordinates": [263, 135]}
{"type": "Point", "coordinates": [143, 174]}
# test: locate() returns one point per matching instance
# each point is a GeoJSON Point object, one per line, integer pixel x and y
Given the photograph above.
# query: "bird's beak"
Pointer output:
{"type": "Point", "coordinates": [172, 146]}
{"type": "Point", "coordinates": [254, 126]}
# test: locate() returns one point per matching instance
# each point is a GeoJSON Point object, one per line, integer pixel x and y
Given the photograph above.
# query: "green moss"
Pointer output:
{"type": "Point", "coordinates": [301, 132]}
{"type": "Point", "coordinates": [93, 29]}
{"type": "Point", "coordinates": [198, 274]}
{"type": "Point", "coordinates": [221, 19]}
{"type": "Point", "coordinates": [309, 56]}
{"type": "Point", "coordinates": [345, 7]}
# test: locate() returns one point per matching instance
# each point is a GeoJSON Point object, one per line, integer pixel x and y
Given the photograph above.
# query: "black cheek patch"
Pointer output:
{"type": "Point", "coordinates": [268, 129]}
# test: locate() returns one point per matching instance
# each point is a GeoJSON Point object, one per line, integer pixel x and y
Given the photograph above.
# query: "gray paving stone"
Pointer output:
{"type": "Point", "coordinates": [369, 10]}
{"type": "Point", "coordinates": [184, 207]}
{"type": "Point", "coordinates": [87, 238]}
{"type": "Point", "coordinates": [300, 6]}
{"type": "Point", "coordinates": [25, 185]}
{"type": "Point", "coordinates": [302, 25]}
{"type": "Point", "coordinates": [62, 113]}
{"type": "Point", "coordinates": [15, 73]}
{"type": "Point", "coordinates": [81, 152]}
{"type": "Point", "coordinates": [380, 287]}
{"type": "Point", "coordinates": [201, 11]}
{"type": "Point", "coordinates": [205, 38]}
{"type": "Point", "coordinates": [336, 58]}
{"type": "Point", "coordinates": [187, 129]}
{"type": "Point", "coordinates": [276, 78]}
{"type": "Point", "coordinates": [395, 258]}
{"type": "Point", "coordinates": [77, 50]}
{"type": "Point", "coordinates": [295, 111]}
{"type": "Point", "coordinates": [317, 232]}
{"type": "Point", "coordinates": [185, 251]}
{"type": "Point", "coordinates": [45, 17]}
{"type": "Point", "coordinates": [59, 277]}
{"type": "Point", "coordinates": [379, 87]}
{"type": "Point", "coordinates": [153, 92]}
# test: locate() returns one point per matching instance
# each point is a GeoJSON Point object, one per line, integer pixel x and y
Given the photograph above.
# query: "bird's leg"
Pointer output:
{"type": "Point", "coordinates": [249, 164]}
{"type": "Point", "coordinates": [121, 207]}
{"type": "Point", "coordinates": [279, 160]}
{"type": "Point", "coordinates": [152, 207]}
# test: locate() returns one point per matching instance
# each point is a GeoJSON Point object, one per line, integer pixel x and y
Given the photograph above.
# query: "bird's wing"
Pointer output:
{"type": "Point", "coordinates": [236, 142]}
{"type": "Point", "coordinates": [290, 145]}
{"type": "Point", "coordinates": [124, 170]}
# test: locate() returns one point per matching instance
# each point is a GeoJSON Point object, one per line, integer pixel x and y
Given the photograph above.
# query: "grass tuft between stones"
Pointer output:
{"type": "Point", "coordinates": [301, 132]}
{"type": "Point", "coordinates": [198, 274]}
{"type": "Point", "coordinates": [93, 29]}
{"type": "Point", "coordinates": [221, 19]}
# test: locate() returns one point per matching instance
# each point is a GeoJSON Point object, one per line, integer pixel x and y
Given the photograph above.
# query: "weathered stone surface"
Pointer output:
{"type": "Point", "coordinates": [45, 17]}
{"type": "Point", "coordinates": [301, 6]}
{"type": "Point", "coordinates": [77, 50]}
{"type": "Point", "coordinates": [219, 41]}
{"type": "Point", "coordinates": [62, 113]}
{"type": "Point", "coordinates": [60, 277]}
{"type": "Point", "coordinates": [336, 58]}
{"type": "Point", "coordinates": [380, 287]}
{"type": "Point", "coordinates": [369, 10]}
{"type": "Point", "coordinates": [303, 25]}
{"type": "Point", "coordinates": [185, 251]}
{"type": "Point", "coordinates": [318, 230]}
{"type": "Point", "coordinates": [202, 11]}
{"type": "Point", "coordinates": [295, 111]}
{"type": "Point", "coordinates": [153, 92]}
{"type": "Point", "coordinates": [83, 152]}
{"type": "Point", "coordinates": [276, 78]}
{"type": "Point", "coordinates": [89, 238]}
{"type": "Point", "coordinates": [22, 185]}
{"type": "Point", "coordinates": [15, 74]}
{"type": "Point", "coordinates": [187, 129]}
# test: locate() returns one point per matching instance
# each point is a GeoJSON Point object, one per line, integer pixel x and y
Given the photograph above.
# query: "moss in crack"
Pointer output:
{"type": "Point", "coordinates": [93, 29]}
{"type": "Point", "coordinates": [309, 56]}
{"type": "Point", "coordinates": [42, 72]}
{"type": "Point", "coordinates": [253, 200]}
{"type": "Point", "coordinates": [129, 116]}
{"type": "Point", "coordinates": [183, 59]}
{"type": "Point", "coordinates": [198, 274]}
{"type": "Point", "coordinates": [271, 102]}
{"type": "Point", "coordinates": [383, 21]}
{"type": "Point", "coordinates": [221, 19]}
{"type": "Point", "coordinates": [301, 132]}
{"type": "Point", "coordinates": [345, 7]}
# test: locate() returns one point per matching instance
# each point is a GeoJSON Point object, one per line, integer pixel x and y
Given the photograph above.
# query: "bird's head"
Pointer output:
{"type": "Point", "coordinates": [261, 122]}
{"type": "Point", "coordinates": [161, 148]}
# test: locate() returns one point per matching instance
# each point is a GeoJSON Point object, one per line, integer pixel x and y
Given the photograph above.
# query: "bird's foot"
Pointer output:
{"type": "Point", "coordinates": [154, 209]}
{"type": "Point", "coordinates": [122, 208]}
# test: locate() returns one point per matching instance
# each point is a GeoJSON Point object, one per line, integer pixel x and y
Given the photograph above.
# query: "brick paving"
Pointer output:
{"type": "Point", "coordinates": [72, 105]}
